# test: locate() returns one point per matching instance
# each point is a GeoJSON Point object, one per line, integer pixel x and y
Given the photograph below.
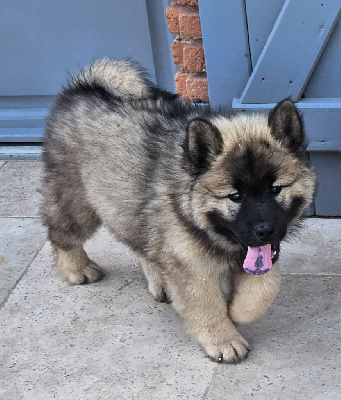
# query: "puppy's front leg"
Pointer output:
{"type": "Point", "coordinates": [252, 295]}
{"type": "Point", "coordinates": [200, 301]}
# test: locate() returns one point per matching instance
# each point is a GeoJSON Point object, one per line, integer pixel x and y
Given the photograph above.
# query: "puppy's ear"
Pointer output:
{"type": "Point", "coordinates": [286, 125]}
{"type": "Point", "coordinates": [204, 143]}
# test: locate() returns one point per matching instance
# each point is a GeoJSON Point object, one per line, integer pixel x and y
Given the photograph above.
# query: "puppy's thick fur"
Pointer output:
{"type": "Point", "coordinates": [187, 189]}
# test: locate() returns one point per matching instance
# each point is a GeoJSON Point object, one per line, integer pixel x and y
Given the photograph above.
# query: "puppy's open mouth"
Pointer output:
{"type": "Point", "coordinates": [274, 252]}
{"type": "Point", "coordinates": [259, 260]}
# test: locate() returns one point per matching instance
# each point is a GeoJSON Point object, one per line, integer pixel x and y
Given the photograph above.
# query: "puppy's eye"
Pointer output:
{"type": "Point", "coordinates": [275, 190]}
{"type": "Point", "coordinates": [236, 197]}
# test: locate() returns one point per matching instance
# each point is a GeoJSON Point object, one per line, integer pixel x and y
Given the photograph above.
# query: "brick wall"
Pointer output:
{"type": "Point", "coordinates": [188, 52]}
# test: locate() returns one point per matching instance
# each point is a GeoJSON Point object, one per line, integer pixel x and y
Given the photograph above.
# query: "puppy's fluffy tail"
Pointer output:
{"type": "Point", "coordinates": [121, 77]}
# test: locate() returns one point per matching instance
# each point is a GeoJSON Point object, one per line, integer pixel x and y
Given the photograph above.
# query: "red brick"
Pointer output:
{"type": "Point", "coordinates": [189, 23]}
{"type": "Point", "coordinates": [172, 13]}
{"type": "Point", "coordinates": [187, 2]}
{"type": "Point", "coordinates": [193, 58]}
{"type": "Point", "coordinates": [197, 87]}
{"type": "Point", "coordinates": [178, 49]}
{"type": "Point", "coordinates": [180, 83]}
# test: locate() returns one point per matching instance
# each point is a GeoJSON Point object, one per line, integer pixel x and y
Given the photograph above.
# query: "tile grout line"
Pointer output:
{"type": "Point", "coordinates": [3, 303]}
{"type": "Point", "coordinates": [18, 217]}
{"type": "Point", "coordinates": [311, 274]}
{"type": "Point", "coordinates": [3, 164]}
{"type": "Point", "coordinates": [208, 388]}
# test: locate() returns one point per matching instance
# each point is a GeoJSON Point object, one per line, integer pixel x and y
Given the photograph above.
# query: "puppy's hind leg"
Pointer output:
{"type": "Point", "coordinates": [75, 265]}
{"type": "Point", "coordinates": [71, 259]}
{"type": "Point", "coordinates": [70, 221]}
{"type": "Point", "coordinates": [156, 280]}
{"type": "Point", "coordinates": [252, 295]}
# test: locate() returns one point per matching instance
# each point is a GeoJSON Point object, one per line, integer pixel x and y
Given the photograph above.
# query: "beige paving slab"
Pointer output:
{"type": "Point", "coordinates": [2, 163]}
{"type": "Point", "coordinates": [316, 249]}
{"type": "Point", "coordinates": [20, 183]}
{"type": "Point", "coordinates": [295, 347]}
{"type": "Point", "coordinates": [111, 340]}
{"type": "Point", "coordinates": [20, 240]}
{"type": "Point", "coordinates": [108, 340]}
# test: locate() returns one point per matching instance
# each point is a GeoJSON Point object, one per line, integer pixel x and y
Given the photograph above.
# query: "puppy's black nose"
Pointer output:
{"type": "Point", "coordinates": [264, 232]}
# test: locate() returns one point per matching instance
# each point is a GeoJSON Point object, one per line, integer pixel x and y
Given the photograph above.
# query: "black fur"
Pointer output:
{"type": "Point", "coordinates": [204, 143]}
{"type": "Point", "coordinates": [286, 125]}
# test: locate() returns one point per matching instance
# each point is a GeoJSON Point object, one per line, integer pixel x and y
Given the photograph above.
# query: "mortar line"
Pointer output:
{"type": "Point", "coordinates": [3, 303]}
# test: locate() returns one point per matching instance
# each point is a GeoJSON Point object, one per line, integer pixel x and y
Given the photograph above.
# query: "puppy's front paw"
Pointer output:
{"type": "Point", "coordinates": [225, 348]}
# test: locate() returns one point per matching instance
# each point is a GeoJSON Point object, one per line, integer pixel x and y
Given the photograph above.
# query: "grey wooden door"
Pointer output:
{"type": "Point", "coordinates": [259, 52]}
{"type": "Point", "coordinates": [42, 41]}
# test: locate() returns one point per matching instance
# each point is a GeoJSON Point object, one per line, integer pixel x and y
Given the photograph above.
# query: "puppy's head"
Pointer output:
{"type": "Point", "coordinates": [252, 177]}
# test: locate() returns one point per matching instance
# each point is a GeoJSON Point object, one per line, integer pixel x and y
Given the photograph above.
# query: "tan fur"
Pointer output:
{"type": "Point", "coordinates": [253, 295]}
{"type": "Point", "coordinates": [116, 75]}
{"type": "Point", "coordinates": [155, 278]}
{"type": "Point", "coordinates": [76, 266]}
{"type": "Point", "coordinates": [192, 283]}
{"type": "Point", "coordinates": [241, 128]}
{"type": "Point", "coordinates": [201, 303]}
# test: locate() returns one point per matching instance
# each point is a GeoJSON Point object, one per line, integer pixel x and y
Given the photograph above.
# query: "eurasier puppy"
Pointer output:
{"type": "Point", "coordinates": [199, 197]}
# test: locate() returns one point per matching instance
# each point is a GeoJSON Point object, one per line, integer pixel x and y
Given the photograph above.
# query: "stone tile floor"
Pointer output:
{"type": "Point", "coordinates": [110, 340]}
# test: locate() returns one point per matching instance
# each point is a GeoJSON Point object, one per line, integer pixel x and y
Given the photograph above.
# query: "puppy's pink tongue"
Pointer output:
{"type": "Point", "coordinates": [258, 260]}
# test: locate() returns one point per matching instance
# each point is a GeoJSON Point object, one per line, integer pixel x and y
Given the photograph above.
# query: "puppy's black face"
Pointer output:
{"type": "Point", "coordinates": [261, 216]}
{"type": "Point", "coordinates": [253, 177]}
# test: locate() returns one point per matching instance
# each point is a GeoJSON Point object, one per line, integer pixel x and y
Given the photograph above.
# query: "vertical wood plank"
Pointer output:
{"type": "Point", "coordinates": [292, 50]}
{"type": "Point", "coordinates": [328, 169]}
{"type": "Point", "coordinates": [260, 23]}
{"type": "Point", "coordinates": [226, 49]}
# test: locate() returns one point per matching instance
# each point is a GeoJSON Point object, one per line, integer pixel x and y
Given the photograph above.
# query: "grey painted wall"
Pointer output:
{"type": "Point", "coordinates": [42, 41]}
